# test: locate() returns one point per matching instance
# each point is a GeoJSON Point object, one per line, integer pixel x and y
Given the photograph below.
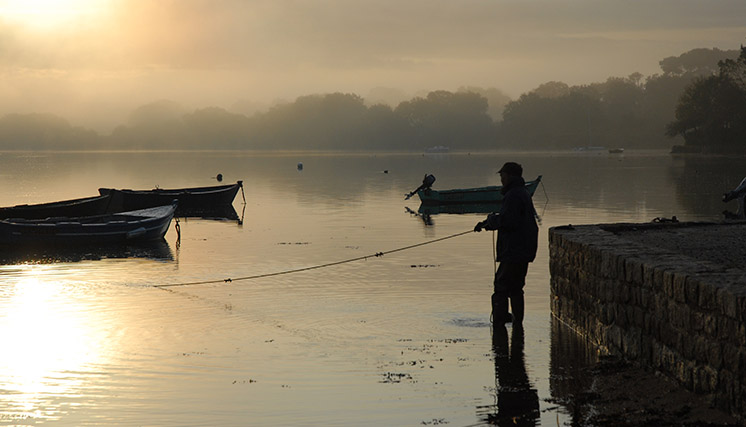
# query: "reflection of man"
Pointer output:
{"type": "Point", "coordinates": [517, 241]}
{"type": "Point", "coordinates": [517, 402]}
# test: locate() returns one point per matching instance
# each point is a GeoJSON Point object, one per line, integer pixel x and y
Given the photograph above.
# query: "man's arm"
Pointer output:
{"type": "Point", "coordinates": [492, 222]}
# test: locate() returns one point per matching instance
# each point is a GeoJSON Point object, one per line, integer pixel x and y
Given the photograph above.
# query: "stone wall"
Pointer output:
{"type": "Point", "coordinates": [655, 303]}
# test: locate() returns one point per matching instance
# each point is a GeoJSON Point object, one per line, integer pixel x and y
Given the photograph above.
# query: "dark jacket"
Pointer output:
{"type": "Point", "coordinates": [518, 234]}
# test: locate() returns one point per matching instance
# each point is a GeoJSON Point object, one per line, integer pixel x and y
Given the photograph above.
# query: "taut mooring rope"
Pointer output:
{"type": "Point", "coordinates": [278, 273]}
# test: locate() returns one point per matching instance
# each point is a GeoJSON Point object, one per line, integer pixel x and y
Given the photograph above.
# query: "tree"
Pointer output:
{"type": "Point", "coordinates": [698, 62]}
{"type": "Point", "coordinates": [44, 132]}
{"type": "Point", "coordinates": [711, 113]}
{"type": "Point", "coordinates": [449, 119]}
{"type": "Point", "coordinates": [496, 99]}
{"type": "Point", "coordinates": [552, 90]}
{"type": "Point", "coordinates": [217, 128]}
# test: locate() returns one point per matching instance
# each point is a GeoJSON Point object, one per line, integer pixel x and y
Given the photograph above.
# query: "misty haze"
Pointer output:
{"type": "Point", "coordinates": [233, 212]}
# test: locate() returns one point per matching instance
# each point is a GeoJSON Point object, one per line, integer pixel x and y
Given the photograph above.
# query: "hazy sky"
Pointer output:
{"type": "Point", "coordinates": [92, 61]}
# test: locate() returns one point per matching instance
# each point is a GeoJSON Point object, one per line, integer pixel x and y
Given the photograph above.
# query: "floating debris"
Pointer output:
{"type": "Point", "coordinates": [394, 378]}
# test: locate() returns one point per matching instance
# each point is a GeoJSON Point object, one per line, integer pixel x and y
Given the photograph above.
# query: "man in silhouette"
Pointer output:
{"type": "Point", "coordinates": [517, 240]}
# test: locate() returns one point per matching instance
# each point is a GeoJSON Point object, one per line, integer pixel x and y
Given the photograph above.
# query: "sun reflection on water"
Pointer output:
{"type": "Point", "coordinates": [47, 335]}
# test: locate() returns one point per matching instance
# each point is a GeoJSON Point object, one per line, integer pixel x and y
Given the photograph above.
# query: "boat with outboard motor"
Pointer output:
{"type": "Point", "coordinates": [478, 195]}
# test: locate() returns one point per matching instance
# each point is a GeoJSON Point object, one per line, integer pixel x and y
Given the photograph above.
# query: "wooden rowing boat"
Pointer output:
{"type": "Point", "coordinates": [86, 206]}
{"type": "Point", "coordinates": [478, 195]}
{"type": "Point", "coordinates": [191, 200]}
{"type": "Point", "coordinates": [124, 227]}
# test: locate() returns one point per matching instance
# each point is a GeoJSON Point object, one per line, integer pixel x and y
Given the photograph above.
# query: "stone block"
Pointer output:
{"type": "Point", "coordinates": [697, 321]}
{"type": "Point", "coordinates": [614, 337]}
{"type": "Point", "coordinates": [620, 316]}
{"type": "Point", "coordinates": [692, 291]}
{"type": "Point", "coordinates": [726, 302]}
{"type": "Point", "coordinates": [645, 295]}
{"type": "Point", "coordinates": [667, 282]}
{"type": "Point", "coordinates": [705, 379]}
{"type": "Point", "coordinates": [679, 287]}
{"type": "Point", "coordinates": [633, 270]}
{"type": "Point", "coordinates": [679, 316]}
{"type": "Point", "coordinates": [711, 325]}
{"type": "Point", "coordinates": [715, 355]}
{"type": "Point", "coordinates": [638, 316]}
{"type": "Point", "coordinates": [700, 348]}
{"type": "Point", "coordinates": [730, 357]}
{"type": "Point", "coordinates": [706, 299]}
{"type": "Point", "coordinates": [727, 328]}
{"type": "Point", "coordinates": [687, 348]}
{"type": "Point", "coordinates": [648, 274]}
{"type": "Point", "coordinates": [683, 373]}
{"type": "Point", "coordinates": [624, 293]}
{"type": "Point", "coordinates": [631, 343]}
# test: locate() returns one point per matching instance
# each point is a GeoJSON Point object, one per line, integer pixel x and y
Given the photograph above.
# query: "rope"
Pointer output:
{"type": "Point", "coordinates": [494, 251]}
{"type": "Point", "coordinates": [545, 190]}
{"type": "Point", "coordinates": [278, 273]}
{"type": "Point", "coordinates": [242, 194]}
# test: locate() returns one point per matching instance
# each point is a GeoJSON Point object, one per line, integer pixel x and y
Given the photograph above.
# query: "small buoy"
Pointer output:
{"type": "Point", "coordinates": [219, 177]}
{"type": "Point", "coordinates": [386, 171]}
{"type": "Point", "coordinates": [300, 166]}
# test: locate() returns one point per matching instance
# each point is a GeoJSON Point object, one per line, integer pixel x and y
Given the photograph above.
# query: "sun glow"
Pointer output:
{"type": "Point", "coordinates": [49, 13]}
{"type": "Point", "coordinates": [46, 338]}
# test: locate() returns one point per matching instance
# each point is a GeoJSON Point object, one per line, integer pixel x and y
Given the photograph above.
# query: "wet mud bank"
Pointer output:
{"type": "Point", "coordinates": [668, 297]}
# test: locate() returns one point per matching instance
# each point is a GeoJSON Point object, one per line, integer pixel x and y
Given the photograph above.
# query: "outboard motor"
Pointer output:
{"type": "Point", "coordinates": [427, 182]}
{"type": "Point", "coordinates": [740, 194]}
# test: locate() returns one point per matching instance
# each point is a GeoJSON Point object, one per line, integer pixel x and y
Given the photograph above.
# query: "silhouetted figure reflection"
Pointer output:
{"type": "Point", "coordinates": [517, 402]}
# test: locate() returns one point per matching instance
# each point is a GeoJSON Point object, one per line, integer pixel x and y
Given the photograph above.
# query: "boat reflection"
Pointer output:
{"type": "Point", "coordinates": [157, 250]}
{"type": "Point", "coordinates": [220, 213]}
{"type": "Point", "coordinates": [426, 211]}
{"type": "Point", "coordinates": [459, 208]}
{"type": "Point", "coordinates": [516, 401]}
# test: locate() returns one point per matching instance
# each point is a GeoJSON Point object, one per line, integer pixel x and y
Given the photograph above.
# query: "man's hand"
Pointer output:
{"type": "Point", "coordinates": [479, 227]}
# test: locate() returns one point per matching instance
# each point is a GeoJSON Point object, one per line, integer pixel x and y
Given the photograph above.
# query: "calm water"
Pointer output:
{"type": "Point", "coordinates": [402, 339]}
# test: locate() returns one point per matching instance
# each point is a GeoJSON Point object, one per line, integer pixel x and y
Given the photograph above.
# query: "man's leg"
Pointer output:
{"type": "Point", "coordinates": [517, 282]}
{"type": "Point", "coordinates": [509, 281]}
{"type": "Point", "coordinates": [500, 295]}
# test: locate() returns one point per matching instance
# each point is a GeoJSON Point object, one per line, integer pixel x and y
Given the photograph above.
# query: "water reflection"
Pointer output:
{"type": "Point", "coordinates": [200, 357]}
{"type": "Point", "coordinates": [459, 208]}
{"type": "Point", "coordinates": [570, 357]}
{"type": "Point", "coordinates": [517, 400]}
{"type": "Point", "coordinates": [219, 213]}
{"type": "Point", "coordinates": [157, 250]}
{"type": "Point", "coordinates": [48, 338]}
{"type": "Point", "coordinates": [701, 182]}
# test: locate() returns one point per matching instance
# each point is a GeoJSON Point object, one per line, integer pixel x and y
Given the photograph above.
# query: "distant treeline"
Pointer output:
{"type": "Point", "coordinates": [631, 112]}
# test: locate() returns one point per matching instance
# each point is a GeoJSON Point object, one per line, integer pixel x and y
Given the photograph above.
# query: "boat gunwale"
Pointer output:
{"type": "Point", "coordinates": [178, 191]}
{"type": "Point", "coordinates": [433, 197]}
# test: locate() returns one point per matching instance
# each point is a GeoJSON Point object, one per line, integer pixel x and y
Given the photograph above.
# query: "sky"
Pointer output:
{"type": "Point", "coordinates": [93, 61]}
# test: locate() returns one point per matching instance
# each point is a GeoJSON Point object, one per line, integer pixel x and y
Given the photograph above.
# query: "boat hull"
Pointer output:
{"type": "Point", "coordinates": [87, 206]}
{"type": "Point", "coordinates": [192, 201]}
{"type": "Point", "coordinates": [478, 195]}
{"type": "Point", "coordinates": [125, 227]}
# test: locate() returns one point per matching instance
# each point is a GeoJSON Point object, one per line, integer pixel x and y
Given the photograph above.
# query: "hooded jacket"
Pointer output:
{"type": "Point", "coordinates": [518, 234]}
